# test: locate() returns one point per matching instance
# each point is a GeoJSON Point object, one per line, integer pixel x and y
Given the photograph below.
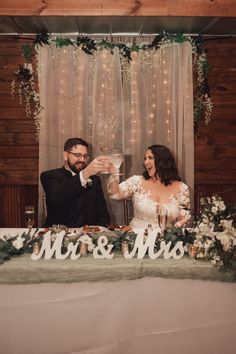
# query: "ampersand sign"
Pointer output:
{"type": "Point", "coordinates": [103, 250]}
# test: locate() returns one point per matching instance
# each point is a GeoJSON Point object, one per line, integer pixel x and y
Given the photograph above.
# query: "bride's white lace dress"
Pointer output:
{"type": "Point", "coordinates": [145, 208]}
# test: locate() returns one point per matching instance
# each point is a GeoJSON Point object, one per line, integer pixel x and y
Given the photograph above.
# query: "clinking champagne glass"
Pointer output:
{"type": "Point", "coordinates": [29, 216]}
{"type": "Point", "coordinates": [105, 152]}
{"type": "Point", "coordinates": [116, 157]}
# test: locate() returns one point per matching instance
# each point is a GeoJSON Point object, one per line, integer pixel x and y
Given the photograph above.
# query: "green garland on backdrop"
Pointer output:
{"type": "Point", "coordinates": [25, 80]}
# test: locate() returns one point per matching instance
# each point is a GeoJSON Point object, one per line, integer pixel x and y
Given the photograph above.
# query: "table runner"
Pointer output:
{"type": "Point", "coordinates": [23, 270]}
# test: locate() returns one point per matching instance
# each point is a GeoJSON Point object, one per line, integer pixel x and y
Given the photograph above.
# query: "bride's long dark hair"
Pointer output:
{"type": "Point", "coordinates": [166, 168]}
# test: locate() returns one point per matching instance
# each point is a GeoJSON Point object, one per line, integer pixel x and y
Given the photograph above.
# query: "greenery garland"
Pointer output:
{"type": "Point", "coordinates": [24, 75]}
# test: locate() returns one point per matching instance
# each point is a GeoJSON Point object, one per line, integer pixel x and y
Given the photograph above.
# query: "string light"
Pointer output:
{"type": "Point", "coordinates": [167, 101]}
{"type": "Point", "coordinates": [133, 98]}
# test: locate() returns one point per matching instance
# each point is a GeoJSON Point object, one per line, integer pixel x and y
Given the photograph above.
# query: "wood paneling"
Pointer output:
{"type": "Point", "coordinates": [22, 177]}
{"type": "Point", "coordinates": [23, 151]}
{"type": "Point", "coordinates": [13, 201]}
{"type": "Point", "coordinates": [119, 7]}
{"type": "Point", "coordinates": [18, 146]}
{"type": "Point", "coordinates": [215, 144]}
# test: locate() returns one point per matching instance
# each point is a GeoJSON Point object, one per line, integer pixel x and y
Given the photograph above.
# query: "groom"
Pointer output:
{"type": "Point", "coordinates": [74, 193]}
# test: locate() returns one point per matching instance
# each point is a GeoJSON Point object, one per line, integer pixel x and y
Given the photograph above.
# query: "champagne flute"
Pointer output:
{"type": "Point", "coordinates": [29, 216]}
{"type": "Point", "coordinates": [162, 217]}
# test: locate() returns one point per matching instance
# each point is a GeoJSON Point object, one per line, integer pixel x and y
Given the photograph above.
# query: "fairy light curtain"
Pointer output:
{"type": "Point", "coordinates": [112, 103]}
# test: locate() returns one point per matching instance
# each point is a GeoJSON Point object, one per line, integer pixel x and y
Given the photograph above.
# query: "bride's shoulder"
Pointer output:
{"type": "Point", "coordinates": [180, 186]}
{"type": "Point", "coordinates": [183, 187]}
{"type": "Point", "coordinates": [134, 180]}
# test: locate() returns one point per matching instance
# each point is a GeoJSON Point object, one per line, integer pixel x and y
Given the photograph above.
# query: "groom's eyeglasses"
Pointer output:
{"type": "Point", "coordinates": [79, 156]}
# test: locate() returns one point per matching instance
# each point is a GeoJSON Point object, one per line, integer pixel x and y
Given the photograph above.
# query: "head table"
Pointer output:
{"type": "Point", "coordinates": [115, 306]}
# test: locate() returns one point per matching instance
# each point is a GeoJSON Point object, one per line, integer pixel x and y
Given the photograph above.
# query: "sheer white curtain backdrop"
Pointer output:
{"type": "Point", "coordinates": [112, 103]}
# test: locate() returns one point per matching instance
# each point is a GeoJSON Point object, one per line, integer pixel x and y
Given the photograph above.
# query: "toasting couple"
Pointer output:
{"type": "Point", "coordinates": [74, 194]}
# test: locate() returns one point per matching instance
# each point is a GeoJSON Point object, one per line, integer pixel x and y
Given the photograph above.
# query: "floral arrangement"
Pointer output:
{"type": "Point", "coordinates": [203, 105]}
{"type": "Point", "coordinates": [215, 232]}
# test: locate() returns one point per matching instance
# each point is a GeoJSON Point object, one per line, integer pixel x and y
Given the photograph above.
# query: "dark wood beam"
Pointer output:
{"type": "Point", "coordinates": [212, 8]}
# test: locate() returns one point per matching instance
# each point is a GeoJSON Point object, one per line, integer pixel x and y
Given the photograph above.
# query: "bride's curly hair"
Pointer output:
{"type": "Point", "coordinates": [166, 168]}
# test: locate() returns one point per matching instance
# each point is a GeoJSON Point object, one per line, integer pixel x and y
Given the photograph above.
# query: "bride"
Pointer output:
{"type": "Point", "coordinates": [159, 190]}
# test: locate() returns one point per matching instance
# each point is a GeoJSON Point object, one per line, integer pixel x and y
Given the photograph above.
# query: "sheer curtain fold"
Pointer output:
{"type": "Point", "coordinates": [112, 103]}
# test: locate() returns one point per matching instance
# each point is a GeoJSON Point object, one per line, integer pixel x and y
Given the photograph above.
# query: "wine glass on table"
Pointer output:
{"type": "Point", "coordinates": [162, 218]}
{"type": "Point", "coordinates": [29, 216]}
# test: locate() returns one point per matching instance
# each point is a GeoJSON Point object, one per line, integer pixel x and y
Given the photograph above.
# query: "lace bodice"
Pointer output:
{"type": "Point", "coordinates": [145, 208]}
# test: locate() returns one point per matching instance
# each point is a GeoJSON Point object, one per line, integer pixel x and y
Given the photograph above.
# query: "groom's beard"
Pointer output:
{"type": "Point", "coordinates": [77, 167]}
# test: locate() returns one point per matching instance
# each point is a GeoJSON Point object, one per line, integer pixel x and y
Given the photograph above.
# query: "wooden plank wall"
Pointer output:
{"type": "Point", "coordinates": [215, 144]}
{"type": "Point", "coordinates": [18, 146]}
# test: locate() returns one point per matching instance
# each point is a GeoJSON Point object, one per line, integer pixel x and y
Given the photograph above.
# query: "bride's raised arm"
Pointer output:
{"type": "Point", "coordinates": [124, 189]}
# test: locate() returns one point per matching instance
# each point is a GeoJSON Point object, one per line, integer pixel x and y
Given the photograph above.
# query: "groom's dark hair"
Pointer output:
{"type": "Point", "coordinates": [73, 142]}
{"type": "Point", "coordinates": [166, 168]}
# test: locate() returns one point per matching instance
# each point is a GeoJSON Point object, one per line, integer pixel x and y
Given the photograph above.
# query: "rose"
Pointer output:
{"type": "Point", "coordinates": [18, 242]}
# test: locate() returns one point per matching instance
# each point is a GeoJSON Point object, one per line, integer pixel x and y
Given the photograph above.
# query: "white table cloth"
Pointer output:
{"type": "Point", "coordinates": [150, 315]}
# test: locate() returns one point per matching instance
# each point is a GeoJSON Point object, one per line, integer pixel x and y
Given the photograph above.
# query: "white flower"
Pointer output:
{"type": "Point", "coordinates": [214, 210]}
{"type": "Point", "coordinates": [88, 240]}
{"type": "Point", "coordinates": [227, 224]}
{"type": "Point", "coordinates": [89, 182]}
{"type": "Point", "coordinates": [18, 242]}
{"type": "Point", "coordinates": [225, 240]}
{"type": "Point", "coordinates": [209, 244]}
{"type": "Point", "coordinates": [202, 201]}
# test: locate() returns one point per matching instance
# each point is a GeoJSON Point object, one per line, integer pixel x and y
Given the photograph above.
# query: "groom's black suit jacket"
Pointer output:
{"type": "Point", "coordinates": [71, 204]}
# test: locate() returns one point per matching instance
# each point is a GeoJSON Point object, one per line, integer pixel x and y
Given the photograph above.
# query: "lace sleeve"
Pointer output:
{"type": "Point", "coordinates": [126, 188]}
{"type": "Point", "coordinates": [184, 206]}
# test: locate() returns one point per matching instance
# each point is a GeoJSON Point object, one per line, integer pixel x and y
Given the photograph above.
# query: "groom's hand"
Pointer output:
{"type": "Point", "coordinates": [99, 164]}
